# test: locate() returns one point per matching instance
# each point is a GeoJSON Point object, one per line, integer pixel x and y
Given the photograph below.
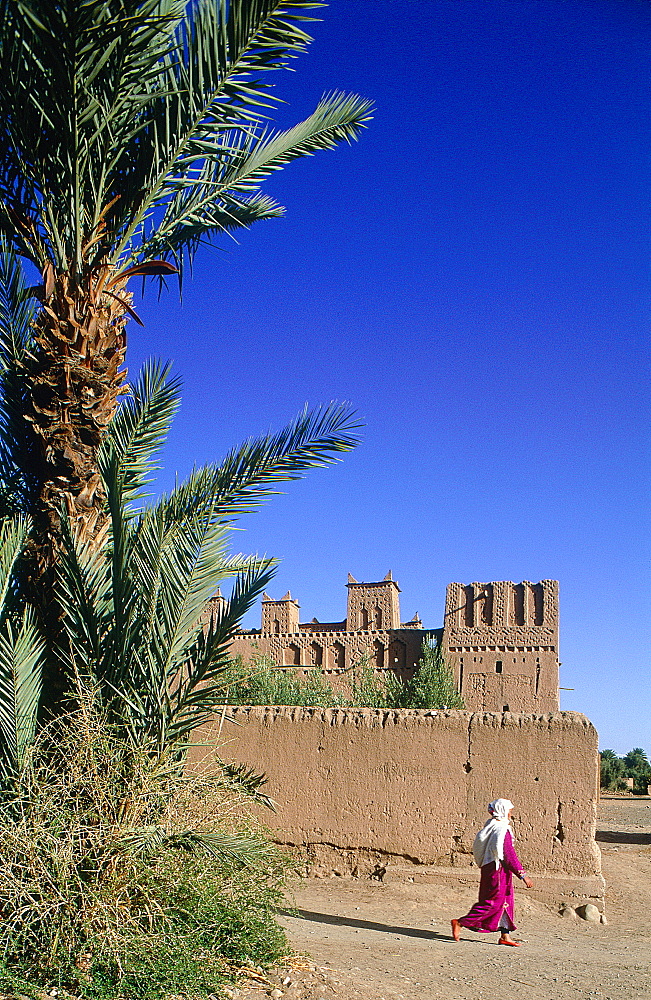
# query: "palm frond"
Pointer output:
{"type": "Point", "coordinates": [85, 594]}
{"type": "Point", "coordinates": [134, 608]}
{"type": "Point", "coordinates": [147, 841]}
{"type": "Point", "coordinates": [243, 850]}
{"type": "Point", "coordinates": [247, 781]}
{"type": "Point", "coordinates": [248, 475]}
{"type": "Point", "coordinates": [21, 662]}
{"type": "Point", "coordinates": [13, 536]}
{"type": "Point", "coordinates": [18, 466]}
{"type": "Point", "coordinates": [74, 80]}
{"type": "Point", "coordinates": [220, 193]}
{"type": "Point", "coordinates": [117, 113]}
{"type": "Point", "coordinates": [139, 429]}
{"type": "Point", "coordinates": [21, 655]}
{"type": "Point", "coordinates": [143, 841]}
{"type": "Point", "coordinates": [17, 310]}
{"type": "Point", "coordinates": [197, 690]}
{"type": "Point", "coordinates": [194, 562]}
{"type": "Point", "coordinates": [338, 117]}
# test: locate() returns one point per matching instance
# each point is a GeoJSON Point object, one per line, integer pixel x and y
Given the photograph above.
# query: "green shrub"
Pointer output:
{"type": "Point", "coordinates": [122, 874]}
{"type": "Point", "coordinates": [263, 683]}
{"type": "Point", "coordinates": [612, 771]}
{"type": "Point", "coordinates": [368, 688]}
{"type": "Point", "coordinates": [432, 686]}
{"type": "Point", "coordinates": [209, 923]}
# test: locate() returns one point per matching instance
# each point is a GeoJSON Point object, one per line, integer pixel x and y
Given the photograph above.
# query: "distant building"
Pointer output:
{"type": "Point", "coordinates": [371, 632]}
{"type": "Point", "coordinates": [499, 638]}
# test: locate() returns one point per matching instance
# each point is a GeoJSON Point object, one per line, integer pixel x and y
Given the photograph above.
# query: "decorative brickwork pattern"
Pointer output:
{"type": "Point", "coordinates": [499, 638]}
{"type": "Point", "coordinates": [371, 633]}
{"type": "Point", "coordinates": [373, 605]}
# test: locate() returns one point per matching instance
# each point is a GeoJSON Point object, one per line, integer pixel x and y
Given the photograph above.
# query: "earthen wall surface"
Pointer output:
{"type": "Point", "coordinates": [413, 786]}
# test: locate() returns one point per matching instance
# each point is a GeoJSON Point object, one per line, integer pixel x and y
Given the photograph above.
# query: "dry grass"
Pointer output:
{"type": "Point", "coordinates": [116, 865]}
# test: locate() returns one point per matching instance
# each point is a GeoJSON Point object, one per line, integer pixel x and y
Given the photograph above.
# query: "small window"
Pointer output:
{"type": "Point", "coordinates": [505, 708]}
{"type": "Point", "coordinates": [498, 667]}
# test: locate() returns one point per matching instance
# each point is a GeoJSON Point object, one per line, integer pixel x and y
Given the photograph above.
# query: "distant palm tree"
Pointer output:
{"type": "Point", "coordinates": [612, 769]}
{"type": "Point", "coordinates": [636, 758]}
{"type": "Point", "coordinates": [131, 133]}
{"type": "Point", "coordinates": [636, 766]}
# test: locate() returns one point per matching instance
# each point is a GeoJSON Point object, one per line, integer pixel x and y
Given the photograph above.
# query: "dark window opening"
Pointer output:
{"type": "Point", "coordinates": [498, 667]}
{"type": "Point", "coordinates": [505, 708]}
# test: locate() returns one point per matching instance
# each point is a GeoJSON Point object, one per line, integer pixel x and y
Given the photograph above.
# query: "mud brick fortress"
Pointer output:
{"type": "Point", "coordinates": [361, 788]}
{"type": "Point", "coordinates": [499, 638]}
{"type": "Point", "coordinates": [371, 628]}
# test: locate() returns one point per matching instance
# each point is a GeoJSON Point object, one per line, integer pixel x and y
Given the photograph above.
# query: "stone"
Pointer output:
{"type": "Point", "coordinates": [589, 912]}
{"type": "Point", "coordinates": [568, 912]}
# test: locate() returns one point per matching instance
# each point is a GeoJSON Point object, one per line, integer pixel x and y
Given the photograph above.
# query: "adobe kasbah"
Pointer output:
{"type": "Point", "coordinates": [499, 638]}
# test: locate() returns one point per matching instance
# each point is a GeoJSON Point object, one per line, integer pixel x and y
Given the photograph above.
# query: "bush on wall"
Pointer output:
{"type": "Point", "coordinates": [264, 683]}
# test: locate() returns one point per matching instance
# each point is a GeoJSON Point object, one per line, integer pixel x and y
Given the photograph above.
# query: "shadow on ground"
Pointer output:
{"type": "Point", "coordinates": [618, 837]}
{"type": "Point", "coordinates": [370, 925]}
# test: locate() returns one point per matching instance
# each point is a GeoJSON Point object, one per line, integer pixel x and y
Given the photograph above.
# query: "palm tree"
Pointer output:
{"type": "Point", "coordinates": [636, 759]}
{"type": "Point", "coordinates": [611, 769]}
{"type": "Point", "coordinates": [131, 598]}
{"type": "Point", "coordinates": [94, 802]}
{"type": "Point", "coordinates": [132, 132]}
{"type": "Point", "coordinates": [636, 766]}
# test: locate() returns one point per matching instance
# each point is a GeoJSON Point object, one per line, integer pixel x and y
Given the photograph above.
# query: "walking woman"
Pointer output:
{"type": "Point", "coordinates": [495, 855]}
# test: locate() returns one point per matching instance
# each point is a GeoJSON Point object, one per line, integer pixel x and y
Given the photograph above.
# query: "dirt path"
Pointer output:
{"type": "Point", "coordinates": [368, 940]}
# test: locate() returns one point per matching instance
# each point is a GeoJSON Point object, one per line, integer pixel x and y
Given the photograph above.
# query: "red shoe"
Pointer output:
{"type": "Point", "coordinates": [512, 944]}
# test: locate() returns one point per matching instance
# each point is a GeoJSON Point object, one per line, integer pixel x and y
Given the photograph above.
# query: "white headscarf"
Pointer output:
{"type": "Point", "coordinates": [489, 842]}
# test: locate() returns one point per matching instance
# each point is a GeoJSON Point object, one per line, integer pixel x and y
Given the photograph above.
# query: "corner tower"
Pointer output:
{"type": "Point", "coordinates": [501, 639]}
{"type": "Point", "coordinates": [280, 617]}
{"type": "Point", "coordinates": [373, 606]}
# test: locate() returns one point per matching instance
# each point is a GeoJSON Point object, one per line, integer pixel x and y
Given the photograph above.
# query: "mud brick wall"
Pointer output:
{"type": "Point", "coordinates": [413, 785]}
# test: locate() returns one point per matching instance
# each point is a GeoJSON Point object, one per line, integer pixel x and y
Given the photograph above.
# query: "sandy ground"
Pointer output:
{"type": "Point", "coordinates": [366, 940]}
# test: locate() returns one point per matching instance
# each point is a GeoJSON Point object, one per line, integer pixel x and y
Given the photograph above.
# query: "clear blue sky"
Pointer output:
{"type": "Point", "coordinates": [473, 276]}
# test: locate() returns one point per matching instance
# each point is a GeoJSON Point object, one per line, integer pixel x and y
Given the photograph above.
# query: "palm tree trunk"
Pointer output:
{"type": "Point", "coordinates": [72, 382]}
{"type": "Point", "coordinates": [75, 377]}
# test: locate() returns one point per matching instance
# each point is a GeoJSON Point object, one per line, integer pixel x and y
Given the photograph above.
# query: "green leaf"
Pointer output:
{"type": "Point", "coordinates": [21, 657]}
{"type": "Point", "coordinates": [139, 429]}
{"type": "Point", "coordinates": [118, 114]}
{"type": "Point", "coordinates": [247, 781]}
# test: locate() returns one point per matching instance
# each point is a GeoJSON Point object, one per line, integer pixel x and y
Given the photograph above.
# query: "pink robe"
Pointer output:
{"type": "Point", "coordinates": [495, 893]}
